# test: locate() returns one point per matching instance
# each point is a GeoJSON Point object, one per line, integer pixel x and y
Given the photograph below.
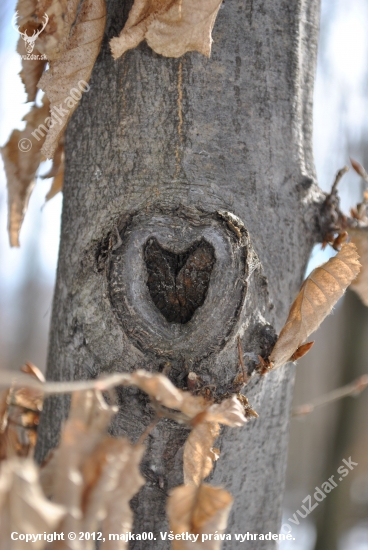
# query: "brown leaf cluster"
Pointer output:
{"type": "Point", "coordinates": [318, 294]}
{"type": "Point", "coordinates": [170, 27]}
{"type": "Point", "coordinates": [91, 474]}
{"type": "Point", "coordinates": [19, 417]}
{"type": "Point", "coordinates": [69, 38]}
{"type": "Point", "coordinates": [91, 477]}
{"type": "Point", "coordinates": [70, 41]}
{"type": "Point", "coordinates": [195, 507]}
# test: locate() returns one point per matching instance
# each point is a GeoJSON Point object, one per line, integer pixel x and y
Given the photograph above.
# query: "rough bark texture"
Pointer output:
{"type": "Point", "coordinates": [160, 151]}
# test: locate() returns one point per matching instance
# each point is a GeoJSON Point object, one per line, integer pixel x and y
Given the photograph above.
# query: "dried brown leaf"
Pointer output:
{"type": "Point", "coordinates": [111, 477]}
{"type": "Point", "coordinates": [229, 412]}
{"type": "Point", "coordinates": [62, 476]}
{"type": "Point", "coordinates": [93, 474]}
{"type": "Point", "coordinates": [57, 171]}
{"type": "Point", "coordinates": [32, 70]}
{"type": "Point", "coordinates": [170, 27]}
{"type": "Point", "coordinates": [198, 453]}
{"type": "Point", "coordinates": [301, 351]}
{"type": "Point", "coordinates": [60, 81]}
{"type": "Point", "coordinates": [318, 294]}
{"type": "Point", "coordinates": [23, 507]}
{"type": "Point", "coordinates": [119, 517]}
{"type": "Point", "coordinates": [19, 417]}
{"type": "Point", "coordinates": [56, 186]}
{"type": "Point", "coordinates": [61, 13]}
{"type": "Point", "coordinates": [198, 510]}
{"type": "Point", "coordinates": [359, 237]}
{"type": "Point", "coordinates": [159, 388]}
{"type": "Point", "coordinates": [22, 157]}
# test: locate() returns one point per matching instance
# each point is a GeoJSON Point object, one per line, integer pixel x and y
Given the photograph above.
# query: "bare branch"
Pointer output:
{"type": "Point", "coordinates": [353, 389]}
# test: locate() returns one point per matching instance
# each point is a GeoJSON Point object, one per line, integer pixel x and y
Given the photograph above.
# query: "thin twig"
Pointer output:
{"type": "Point", "coordinates": [338, 177]}
{"type": "Point", "coordinates": [148, 430]}
{"type": "Point", "coordinates": [353, 389]}
{"type": "Point", "coordinates": [10, 379]}
{"type": "Point", "coordinates": [241, 361]}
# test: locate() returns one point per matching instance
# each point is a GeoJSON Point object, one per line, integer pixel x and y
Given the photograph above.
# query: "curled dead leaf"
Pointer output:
{"type": "Point", "coordinates": [229, 412]}
{"type": "Point", "coordinates": [23, 506]}
{"type": "Point", "coordinates": [359, 236]}
{"type": "Point", "coordinates": [57, 171]}
{"type": "Point", "coordinates": [31, 72]}
{"type": "Point", "coordinates": [22, 157]}
{"type": "Point", "coordinates": [19, 417]}
{"type": "Point", "coordinates": [170, 28]}
{"type": "Point", "coordinates": [68, 75]}
{"type": "Point", "coordinates": [198, 453]}
{"type": "Point", "coordinates": [61, 15]}
{"type": "Point", "coordinates": [301, 351]}
{"type": "Point", "coordinates": [198, 510]}
{"type": "Point", "coordinates": [318, 294]}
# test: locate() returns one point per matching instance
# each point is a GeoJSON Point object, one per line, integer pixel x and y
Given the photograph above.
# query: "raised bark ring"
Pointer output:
{"type": "Point", "coordinates": [210, 249]}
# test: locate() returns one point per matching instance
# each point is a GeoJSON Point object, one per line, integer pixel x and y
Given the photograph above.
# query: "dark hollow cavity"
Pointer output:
{"type": "Point", "coordinates": [178, 283]}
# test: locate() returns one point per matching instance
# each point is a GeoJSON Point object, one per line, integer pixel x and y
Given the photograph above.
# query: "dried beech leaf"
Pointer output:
{"type": "Point", "coordinates": [23, 507]}
{"type": "Point", "coordinates": [62, 476]}
{"type": "Point", "coordinates": [162, 390]}
{"type": "Point", "coordinates": [301, 351]}
{"type": "Point", "coordinates": [159, 387]}
{"type": "Point", "coordinates": [61, 15]}
{"type": "Point", "coordinates": [32, 70]}
{"type": "Point", "coordinates": [119, 516]}
{"type": "Point", "coordinates": [56, 171]}
{"type": "Point", "coordinates": [198, 510]}
{"type": "Point", "coordinates": [230, 413]}
{"type": "Point", "coordinates": [21, 167]}
{"type": "Point", "coordinates": [359, 237]}
{"type": "Point", "coordinates": [111, 477]}
{"type": "Point", "coordinates": [73, 67]}
{"type": "Point", "coordinates": [30, 368]}
{"type": "Point", "coordinates": [19, 417]}
{"type": "Point", "coordinates": [56, 186]}
{"type": "Point", "coordinates": [198, 453]}
{"type": "Point", "coordinates": [170, 27]}
{"type": "Point", "coordinates": [318, 294]}
{"type": "Point", "coordinates": [93, 474]}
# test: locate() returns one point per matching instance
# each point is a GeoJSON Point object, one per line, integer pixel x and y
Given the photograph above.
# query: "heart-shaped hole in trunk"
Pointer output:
{"type": "Point", "coordinates": [178, 283]}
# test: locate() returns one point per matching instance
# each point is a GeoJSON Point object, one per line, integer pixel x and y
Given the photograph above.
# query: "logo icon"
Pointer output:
{"type": "Point", "coordinates": [29, 40]}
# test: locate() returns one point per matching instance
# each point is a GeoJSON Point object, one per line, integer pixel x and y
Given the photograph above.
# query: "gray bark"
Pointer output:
{"type": "Point", "coordinates": [155, 150]}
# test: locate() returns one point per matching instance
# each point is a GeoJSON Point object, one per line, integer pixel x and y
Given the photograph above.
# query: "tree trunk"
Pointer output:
{"type": "Point", "coordinates": [158, 154]}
